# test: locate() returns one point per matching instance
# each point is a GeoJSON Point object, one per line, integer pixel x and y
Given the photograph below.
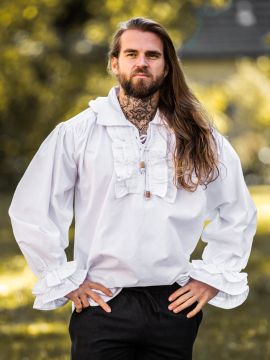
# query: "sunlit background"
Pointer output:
{"type": "Point", "coordinates": [53, 61]}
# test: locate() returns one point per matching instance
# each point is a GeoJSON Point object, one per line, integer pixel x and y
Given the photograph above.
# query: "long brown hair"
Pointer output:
{"type": "Point", "coordinates": [195, 153]}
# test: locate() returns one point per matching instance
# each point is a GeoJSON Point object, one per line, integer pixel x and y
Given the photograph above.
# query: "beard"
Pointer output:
{"type": "Point", "coordinates": [140, 88]}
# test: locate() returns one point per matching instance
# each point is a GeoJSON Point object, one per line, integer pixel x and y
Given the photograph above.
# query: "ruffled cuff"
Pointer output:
{"type": "Point", "coordinates": [232, 285]}
{"type": "Point", "coordinates": [51, 289]}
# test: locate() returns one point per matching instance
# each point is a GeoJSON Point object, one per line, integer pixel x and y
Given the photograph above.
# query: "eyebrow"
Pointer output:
{"type": "Point", "coordinates": [152, 52]}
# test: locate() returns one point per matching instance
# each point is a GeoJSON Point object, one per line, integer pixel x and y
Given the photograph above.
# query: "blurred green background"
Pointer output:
{"type": "Point", "coordinates": [53, 61]}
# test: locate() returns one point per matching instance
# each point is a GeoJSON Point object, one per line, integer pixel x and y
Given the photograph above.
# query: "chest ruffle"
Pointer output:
{"type": "Point", "coordinates": [157, 156]}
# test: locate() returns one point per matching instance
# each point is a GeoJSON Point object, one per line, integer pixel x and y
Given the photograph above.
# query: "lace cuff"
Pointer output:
{"type": "Point", "coordinates": [51, 289]}
{"type": "Point", "coordinates": [232, 285]}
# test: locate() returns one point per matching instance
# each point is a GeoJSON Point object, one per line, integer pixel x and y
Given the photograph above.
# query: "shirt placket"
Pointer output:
{"type": "Point", "coordinates": [143, 162]}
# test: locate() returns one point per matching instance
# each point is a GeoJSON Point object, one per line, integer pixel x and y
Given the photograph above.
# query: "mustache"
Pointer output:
{"type": "Point", "coordinates": [141, 71]}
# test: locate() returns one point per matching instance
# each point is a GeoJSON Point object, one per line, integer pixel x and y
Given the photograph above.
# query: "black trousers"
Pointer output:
{"type": "Point", "coordinates": [139, 327]}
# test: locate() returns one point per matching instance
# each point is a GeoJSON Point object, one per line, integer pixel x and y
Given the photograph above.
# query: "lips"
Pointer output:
{"type": "Point", "coordinates": [141, 75]}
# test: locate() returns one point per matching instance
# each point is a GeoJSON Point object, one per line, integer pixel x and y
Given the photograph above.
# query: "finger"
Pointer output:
{"type": "Point", "coordinates": [101, 287]}
{"type": "Point", "coordinates": [78, 304]}
{"type": "Point", "coordinates": [196, 309]}
{"type": "Point", "coordinates": [84, 300]}
{"type": "Point", "coordinates": [180, 300]}
{"type": "Point", "coordinates": [98, 300]}
{"type": "Point", "coordinates": [179, 292]}
{"type": "Point", "coordinates": [71, 295]}
{"type": "Point", "coordinates": [186, 304]}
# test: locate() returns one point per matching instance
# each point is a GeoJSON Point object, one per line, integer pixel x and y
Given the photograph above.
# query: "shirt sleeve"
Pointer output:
{"type": "Point", "coordinates": [41, 213]}
{"type": "Point", "coordinates": [229, 235]}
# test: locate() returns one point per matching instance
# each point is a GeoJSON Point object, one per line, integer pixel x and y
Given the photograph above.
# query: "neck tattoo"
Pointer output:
{"type": "Point", "coordinates": [139, 111]}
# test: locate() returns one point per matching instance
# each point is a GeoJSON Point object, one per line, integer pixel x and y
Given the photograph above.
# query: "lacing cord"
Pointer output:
{"type": "Point", "coordinates": [149, 296]}
{"type": "Point", "coordinates": [143, 137]}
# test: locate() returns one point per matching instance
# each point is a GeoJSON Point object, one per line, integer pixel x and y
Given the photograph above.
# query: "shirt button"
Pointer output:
{"type": "Point", "coordinates": [142, 167]}
{"type": "Point", "coordinates": [147, 193]}
{"type": "Point", "coordinates": [142, 164]}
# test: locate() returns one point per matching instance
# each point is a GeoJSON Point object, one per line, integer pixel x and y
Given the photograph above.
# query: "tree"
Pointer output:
{"type": "Point", "coordinates": [53, 61]}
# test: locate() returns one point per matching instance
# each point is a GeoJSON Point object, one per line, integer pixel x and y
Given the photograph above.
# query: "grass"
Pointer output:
{"type": "Point", "coordinates": [241, 333]}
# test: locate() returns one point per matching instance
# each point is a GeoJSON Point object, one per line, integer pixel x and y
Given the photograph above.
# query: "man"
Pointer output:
{"type": "Point", "coordinates": [145, 169]}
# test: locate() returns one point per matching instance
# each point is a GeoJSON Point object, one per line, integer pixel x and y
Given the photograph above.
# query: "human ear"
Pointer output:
{"type": "Point", "coordinates": [166, 70]}
{"type": "Point", "coordinates": [114, 65]}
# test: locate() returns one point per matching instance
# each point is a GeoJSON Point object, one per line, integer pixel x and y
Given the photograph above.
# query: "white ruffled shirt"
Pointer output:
{"type": "Point", "coordinates": [88, 166]}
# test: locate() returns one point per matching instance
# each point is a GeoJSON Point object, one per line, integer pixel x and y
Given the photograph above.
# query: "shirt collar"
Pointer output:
{"type": "Point", "coordinates": [109, 111]}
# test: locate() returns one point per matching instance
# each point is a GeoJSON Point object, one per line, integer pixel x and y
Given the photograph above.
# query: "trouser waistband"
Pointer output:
{"type": "Point", "coordinates": [149, 291]}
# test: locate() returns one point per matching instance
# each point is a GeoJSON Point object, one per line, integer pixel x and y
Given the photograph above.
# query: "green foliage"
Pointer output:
{"type": "Point", "coordinates": [240, 107]}
{"type": "Point", "coordinates": [53, 61]}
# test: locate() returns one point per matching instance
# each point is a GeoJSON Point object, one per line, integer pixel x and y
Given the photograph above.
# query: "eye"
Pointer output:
{"type": "Point", "coordinates": [131, 55]}
{"type": "Point", "coordinates": [153, 56]}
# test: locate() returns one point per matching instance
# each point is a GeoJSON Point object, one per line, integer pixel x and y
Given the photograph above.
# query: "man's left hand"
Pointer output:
{"type": "Point", "coordinates": [187, 295]}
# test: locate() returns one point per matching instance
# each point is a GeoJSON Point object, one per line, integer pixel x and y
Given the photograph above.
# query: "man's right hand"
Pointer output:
{"type": "Point", "coordinates": [79, 296]}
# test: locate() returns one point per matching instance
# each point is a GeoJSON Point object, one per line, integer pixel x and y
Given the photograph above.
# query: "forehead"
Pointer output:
{"type": "Point", "coordinates": [141, 41]}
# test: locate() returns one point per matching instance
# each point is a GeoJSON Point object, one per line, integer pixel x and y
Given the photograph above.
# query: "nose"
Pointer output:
{"type": "Point", "coordinates": [141, 61]}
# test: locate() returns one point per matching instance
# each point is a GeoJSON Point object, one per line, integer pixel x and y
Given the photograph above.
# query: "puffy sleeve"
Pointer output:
{"type": "Point", "coordinates": [41, 212]}
{"type": "Point", "coordinates": [229, 234]}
